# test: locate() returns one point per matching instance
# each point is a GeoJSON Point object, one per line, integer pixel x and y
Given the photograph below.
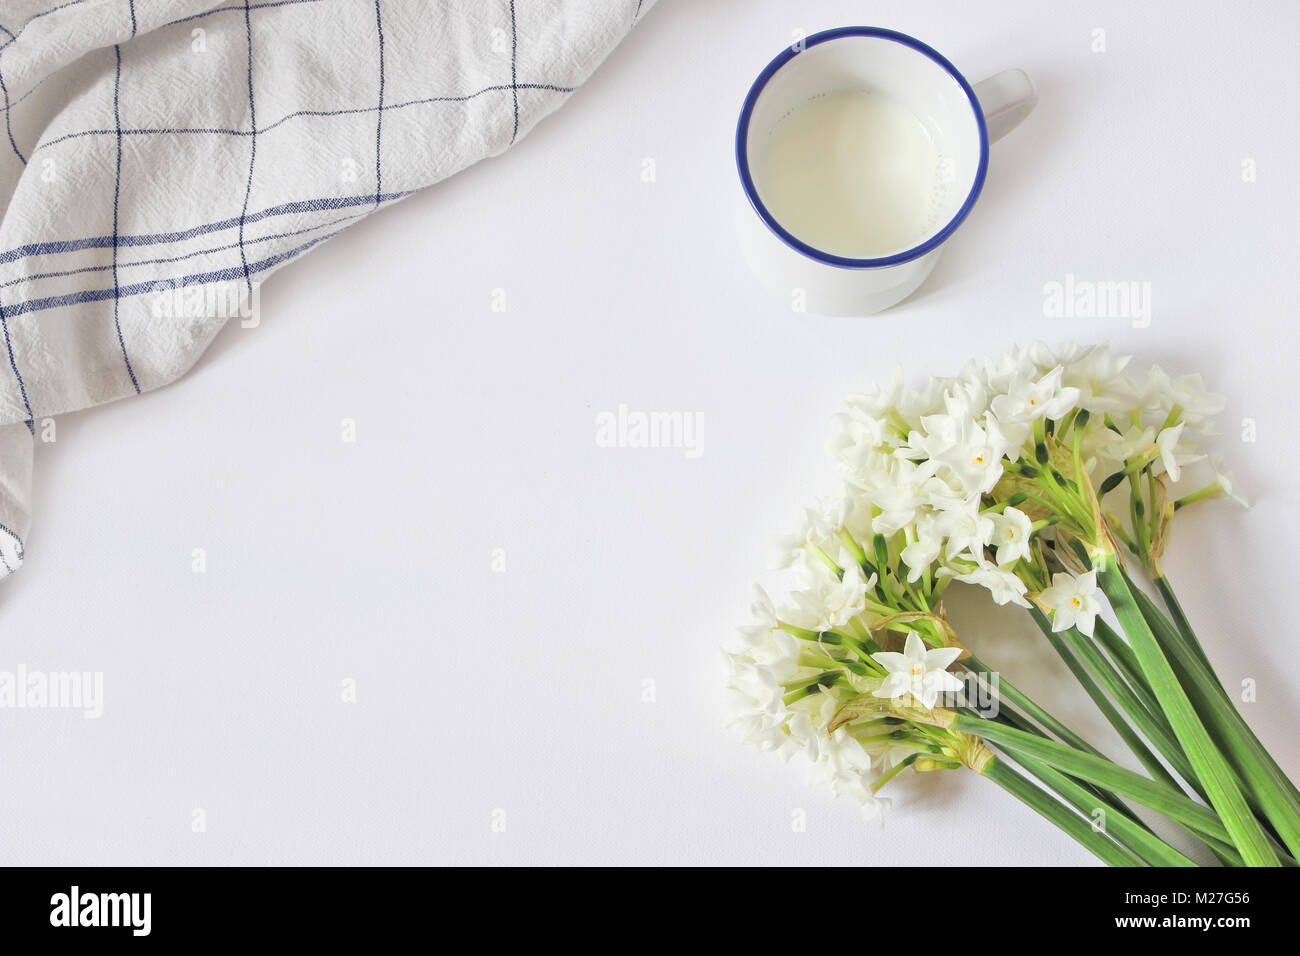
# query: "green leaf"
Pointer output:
{"type": "Point", "coordinates": [1099, 771]}
{"type": "Point", "coordinates": [1125, 831]}
{"type": "Point", "coordinates": [1268, 787]}
{"type": "Point", "coordinates": [1043, 803]}
{"type": "Point", "coordinates": [1211, 768]}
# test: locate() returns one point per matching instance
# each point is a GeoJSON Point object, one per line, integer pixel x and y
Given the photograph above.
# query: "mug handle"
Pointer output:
{"type": "Point", "coordinates": [1006, 98]}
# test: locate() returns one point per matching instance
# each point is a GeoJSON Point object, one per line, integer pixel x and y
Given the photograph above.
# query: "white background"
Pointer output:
{"type": "Point", "coordinates": [522, 691]}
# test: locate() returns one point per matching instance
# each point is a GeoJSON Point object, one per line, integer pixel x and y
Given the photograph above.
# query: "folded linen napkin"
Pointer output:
{"type": "Point", "coordinates": [160, 158]}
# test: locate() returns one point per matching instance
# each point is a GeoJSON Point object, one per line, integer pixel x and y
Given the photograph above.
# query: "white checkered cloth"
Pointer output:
{"type": "Point", "coordinates": [156, 151]}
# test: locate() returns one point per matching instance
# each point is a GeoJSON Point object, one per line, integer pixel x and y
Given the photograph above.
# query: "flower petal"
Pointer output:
{"type": "Point", "coordinates": [893, 661]}
{"type": "Point", "coordinates": [940, 658]}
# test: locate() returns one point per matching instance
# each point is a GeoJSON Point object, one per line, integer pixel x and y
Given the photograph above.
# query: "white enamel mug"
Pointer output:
{"type": "Point", "coordinates": [959, 118]}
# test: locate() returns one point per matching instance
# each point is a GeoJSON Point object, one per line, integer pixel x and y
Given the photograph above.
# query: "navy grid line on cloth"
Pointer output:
{"type": "Point", "coordinates": [197, 16]}
{"type": "Point", "coordinates": [117, 195]}
{"type": "Point", "coordinates": [44, 144]}
{"type": "Point", "coordinates": [252, 146]}
{"type": "Point", "coordinates": [183, 160]}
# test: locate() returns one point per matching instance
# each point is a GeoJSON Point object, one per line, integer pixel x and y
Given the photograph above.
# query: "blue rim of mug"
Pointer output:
{"type": "Point", "coordinates": [747, 181]}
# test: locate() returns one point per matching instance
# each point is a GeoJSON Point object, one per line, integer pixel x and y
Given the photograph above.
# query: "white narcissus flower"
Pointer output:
{"type": "Point", "coordinates": [887, 752]}
{"type": "Point", "coordinates": [1225, 481]}
{"type": "Point", "coordinates": [975, 458]}
{"type": "Point", "coordinates": [1169, 446]}
{"type": "Point", "coordinates": [917, 671]}
{"type": "Point", "coordinates": [840, 760]}
{"type": "Point", "coordinates": [827, 601]}
{"type": "Point", "coordinates": [913, 405]}
{"type": "Point", "coordinates": [753, 703]}
{"type": "Point", "coordinates": [1071, 601]}
{"type": "Point", "coordinates": [821, 528]}
{"type": "Point", "coordinates": [965, 528]}
{"type": "Point", "coordinates": [771, 648]}
{"type": "Point", "coordinates": [765, 615]}
{"type": "Point", "coordinates": [755, 677]}
{"type": "Point", "coordinates": [968, 396]}
{"type": "Point", "coordinates": [1027, 401]}
{"type": "Point", "coordinates": [1011, 533]}
{"type": "Point", "coordinates": [900, 493]}
{"type": "Point", "coordinates": [1016, 365]}
{"type": "Point", "coordinates": [1167, 443]}
{"type": "Point", "coordinates": [1137, 442]}
{"type": "Point", "coordinates": [803, 736]}
{"type": "Point", "coordinates": [1103, 446]}
{"type": "Point", "coordinates": [1099, 377]}
{"type": "Point", "coordinates": [1004, 586]}
{"type": "Point", "coordinates": [1186, 392]}
{"type": "Point", "coordinates": [843, 766]}
{"type": "Point", "coordinates": [937, 434]}
{"type": "Point", "coordinates": [872, 806]}
{"type": "Point", "coordinates": [859, 521]}
{"type": "Point", "coordinates": [922, 552]}
{"type": "Point", "coordinates": [880, 400]}
{"type": "Point", "coordinates": [858, 440]}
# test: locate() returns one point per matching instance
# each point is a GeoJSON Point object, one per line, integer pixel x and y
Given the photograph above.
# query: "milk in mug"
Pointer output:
{"type": "Point", "coordinates": [853, 173]}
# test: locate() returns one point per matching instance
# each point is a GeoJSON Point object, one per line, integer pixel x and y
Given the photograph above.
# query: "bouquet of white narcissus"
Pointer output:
{"type": "Point", "coordinates": [1004, 477]}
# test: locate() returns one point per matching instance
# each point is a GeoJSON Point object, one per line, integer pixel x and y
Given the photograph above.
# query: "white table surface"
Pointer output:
{"type": "Point", "coordinates": [522, 691]}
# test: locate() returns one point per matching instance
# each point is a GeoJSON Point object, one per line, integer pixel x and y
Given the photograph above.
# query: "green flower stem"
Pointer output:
{"type": "Point", "coordinates": [1137, 512]}
{"type": "Point", "coordinates": [808, 659]}
{"type": "Point", "coordinates": [1114, 685]}
{"type": "Point", "coordinates": [1067, 503]}
{"type": "Point", "coordinates": [1212, 490]}
{"type": "Point", "coordinates": [1131, 739]}
{"type": "Point", "coordinates": [859, 630]}
{"type": "Point", "coordinates": [1135, 837]}
{"type": "Point", "coordinates": [1180, 621]}
{"type": "Point", "coordinates": [876, 723]}
{"type": "Point", "coordinates": [880, 550]}
{"type": "Point", "coordinates": [1155, 516]}
{"type": "Point", "coordinates": [1005, 689]}
{"type": "Point", "coordinates": [863, 649]}
{"type": "Point", "coordinates": [1099, 844]}
{"type": "Point", "coordinates": [1117, 529]}
{"type": "Point", "coordinates": [1098, 771]}
{"type": "Point", "coordinates": [1272, 792]}
{"type": "Point", "coordinates": [1126, 663]}
{"type": "Point", "coordinates": [803, 633]}
{"type": "Point", "coordinates": [803, 689]}
{"type": "Point", "coordinates": [1185, 630]}
{"type": "Point", "coordinates": [894, 771]}
{"type": "Point", "coordinates": [1226, 853]}
{"type": "Point", "coordinates": [827, 560]}
{"type": "Point", "coordinates": [1131, 468]}
{"type": "Point", "coordinates": [1063, 426]}
{"type": "Point", "coordinates": [851, 543]}
{"type": "Point", "coordinates": [1211, 768]}
{"type": "Point", "coordinates": [1011, 718]}
{"type": "Point", "coordinates": [1051, 504]}
{"type": "Point", "coordinates": [998, 507]}
{"type": "Point", "coordinates": [1155, 729]}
